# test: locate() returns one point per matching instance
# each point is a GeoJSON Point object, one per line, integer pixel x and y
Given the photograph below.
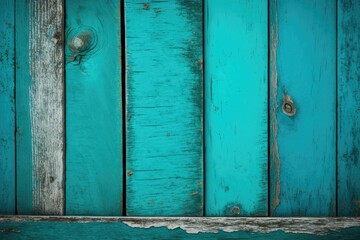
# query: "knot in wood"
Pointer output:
{"type": "Point", "coordinates": [288, 106]}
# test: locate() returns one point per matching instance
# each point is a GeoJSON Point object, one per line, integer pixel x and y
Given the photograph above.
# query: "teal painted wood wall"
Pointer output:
{"type": "Point", "coordinates": [104, 108]}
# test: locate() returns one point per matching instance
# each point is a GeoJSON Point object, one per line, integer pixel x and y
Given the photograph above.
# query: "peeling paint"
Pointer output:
{"type": "Point", "coordinates": [275, 158]}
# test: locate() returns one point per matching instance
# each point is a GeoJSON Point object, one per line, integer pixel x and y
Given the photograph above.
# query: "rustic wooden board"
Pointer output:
{"type": "Point", "coordinates": [7, 107]}
{"type": "Point", "coordinates": [178, 228]}
{"type": "Point", "coordinates": [93, 108]}
{"type": "Point", "coordinates": [236, 107]}
{"type": "Point", "coordinates": [303, 75]}
{"type": "Point", "coordinates": [348, 108]}
{"type": "Point", "coordinates": [164, 162]}
{"type": "Point", "coordinates": [40, 107]}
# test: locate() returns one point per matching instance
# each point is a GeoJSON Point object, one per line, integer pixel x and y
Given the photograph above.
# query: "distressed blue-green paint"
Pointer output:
{"type": "Point", "coordinates": [236, 99]}
{"type": "Point", "coordinates": [7, 107]}
{"type": "Point", "coordinates": [303, 147]}
{"type": "Point", "coordinates": [93, 113]}
{"type": "Point", "coordinates": [348, 108]}
{"type": "Point", "coordinates": [23, 130]}
{"type": "Point", "coordinates": [164, 162]}
{"type": "Point", "coordinates": [59, 230]}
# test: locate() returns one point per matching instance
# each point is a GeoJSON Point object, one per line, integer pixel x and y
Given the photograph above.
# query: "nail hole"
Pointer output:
{"type": "Point", "coordinates": [56, 38]}
{"type": "Point", "coordinates": [235, 210]}
{"type": "Point", "coordinates": [146, 6]}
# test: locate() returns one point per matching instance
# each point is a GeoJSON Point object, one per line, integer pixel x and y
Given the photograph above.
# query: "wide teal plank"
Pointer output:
{"type": "Point", "coordinates": [7, 108]}
{"type": "Point", "coordinates": [236, 107]}
{"type": "Point", "coordinates": [93, 108]}
{"type": "Point", "coordinates": [179, 228]}
{"type": "Point", "coordinates": [303, 108]}
{"type": "Point", "coordinates": [39, 107]}
{"type": "Point", "coordinates": [348, 108]}
{"type": "Point", "coordinates": [164, 162]}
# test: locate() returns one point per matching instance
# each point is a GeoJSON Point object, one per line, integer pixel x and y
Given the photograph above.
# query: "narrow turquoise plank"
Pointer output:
{"type": "Point", "coordinates": [39, 107]}
{"type": "Point", "coordinates": [93, 108]}
{"type": "Point", "coordinates": [164, 162]}
{"type": "Point", "coordinates": [23, 129]}
{"type": "Point", "coordinates": [348, 108]}
{"type": "Point", "coordinates": [303, 108]}
{"type": "Point", "coordinates": [236, 107]}
{"type": "Point", "coordinates": [7, 108]}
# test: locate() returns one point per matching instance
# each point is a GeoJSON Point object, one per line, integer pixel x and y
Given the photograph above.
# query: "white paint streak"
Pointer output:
{"type": "Point", "coordinates": [46, 59]}
{"type": "Point", "coordinates": [319, 226]}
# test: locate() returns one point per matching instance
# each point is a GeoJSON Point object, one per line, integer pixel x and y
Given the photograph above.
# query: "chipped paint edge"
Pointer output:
{"type": "Point", "coordinates": [195, 225]}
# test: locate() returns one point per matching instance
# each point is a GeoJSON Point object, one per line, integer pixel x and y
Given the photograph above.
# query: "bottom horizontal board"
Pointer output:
{"type": "Point", "coordinates": [47, 227]}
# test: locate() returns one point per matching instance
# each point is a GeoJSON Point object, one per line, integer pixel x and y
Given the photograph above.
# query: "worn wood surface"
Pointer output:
{"type": "Point", "coordinates": [236, 107]}
{"type": "Point", "coordinates": [25, 227]}
{"type": "Point", "coordinates": [7, 107]}
{"type": "Point", "coordinates": [303, 84]}
{"type": "Point", "coordinates": [40, 107]}
{"type": "Point", "coordinates": [93, 108]}
{"type": "Point", "coordinates": [164, 163]}
{"type": "Point", "coordinates": [348, 108]}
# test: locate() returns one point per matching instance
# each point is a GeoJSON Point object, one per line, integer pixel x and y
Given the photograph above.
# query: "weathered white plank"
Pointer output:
{"type": "Point", "coordinates": [40, 96]}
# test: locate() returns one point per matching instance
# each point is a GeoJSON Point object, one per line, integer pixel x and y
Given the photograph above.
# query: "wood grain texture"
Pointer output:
{"type": "Point", "coordinates": [40, 107]}
{"type": "Point", "coordinates": [38, 227]}
{"type": "Point", "coordinates": [164, 162]}
{"type": "Point", "coordinates": [7, 107]}
{"type": "Point", "coordinates": [303, 76]}
{"type": "Point", "coordinates": [93, 108]}
{"type": "Point", "coordinates": [236, 108]}
{"type": "Point", "coordinates": [348, 108]}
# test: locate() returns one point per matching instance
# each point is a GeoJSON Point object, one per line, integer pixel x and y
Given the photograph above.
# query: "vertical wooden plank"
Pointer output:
{"type": "Point", "coordinates": [236, 107]}
{"type": "Point", "coordinates": [40, 107]}
{"type": "Point", "coordinates": [164, 161]}
{"type": "Point", "coordinates": [93, 113]}
{"type": "Point", "coordinates": [23, 127]}
{"type": "Point", "coordinates": [7, 108]}
{"type": "Point", "coordinates": [303, 108]}
{"type": "Point", "coordinates": [348, 108]}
